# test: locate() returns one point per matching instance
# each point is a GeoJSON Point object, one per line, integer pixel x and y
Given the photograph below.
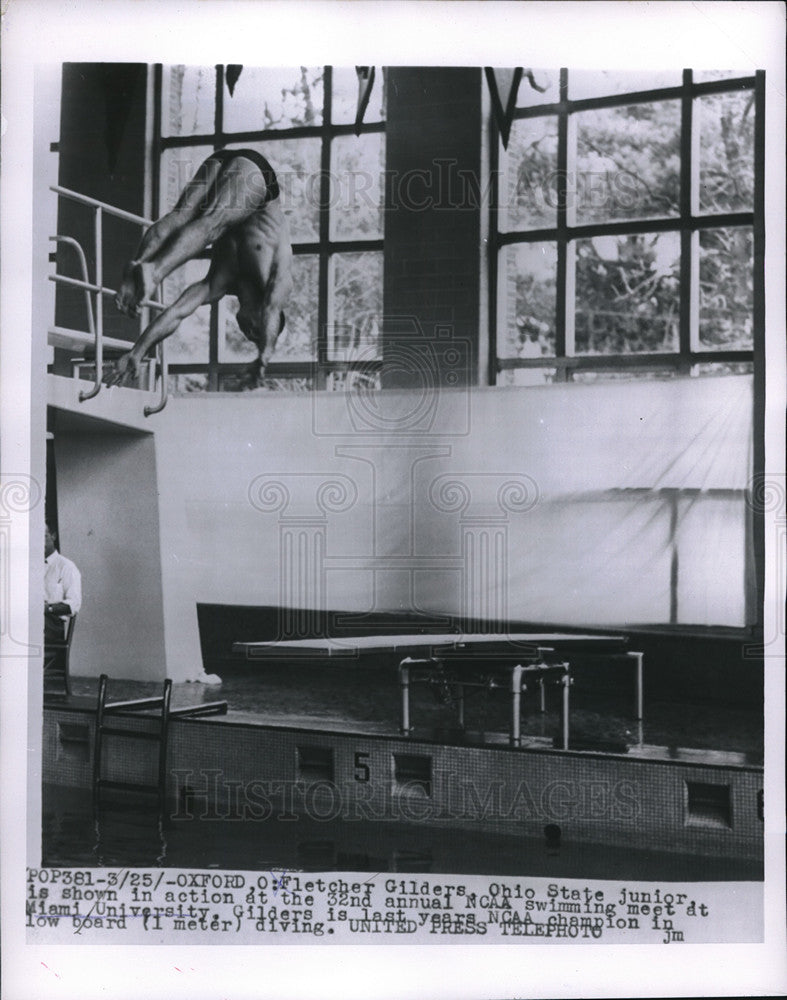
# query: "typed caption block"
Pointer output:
{"type": "Point", "coordinates": [125, 906]}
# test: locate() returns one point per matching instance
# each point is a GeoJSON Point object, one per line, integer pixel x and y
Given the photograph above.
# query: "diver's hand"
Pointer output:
{"type": "Point", "coordinates": [124, 371]}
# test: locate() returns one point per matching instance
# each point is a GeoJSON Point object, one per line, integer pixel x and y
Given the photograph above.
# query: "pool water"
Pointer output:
{"type": "Point", "coordinates": [354, 699]}
{"type": "Point", "coordinates": [368, 700]}
{"type": "Point", "coordinates": [132, 833]}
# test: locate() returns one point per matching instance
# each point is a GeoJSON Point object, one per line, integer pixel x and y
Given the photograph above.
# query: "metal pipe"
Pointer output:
{"type": "Point", "coordinates": [516, 702]}
{"type": "Point", "coordinates": [162, 360]}
{"type": "Point", "coordinates": [99, 330]}
{"type": "Point", "coordinates": [638, 658]}
{"type": "Point", "coordinates": [90, 286]}
{"type": "Point", "coordinates": [70, 241]}
{"type": "Point", "coordinates": [96, 318]}
{"type": "Point", "coordinates": [97, 734]}
{"type": "Point", "coordinates": [404, 687]}
{"type": "Point", "coordinates": [86, 200]}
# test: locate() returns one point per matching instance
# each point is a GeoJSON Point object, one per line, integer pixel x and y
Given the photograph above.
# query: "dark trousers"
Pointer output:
{"type": "Point", "coordinates": [54, 628]}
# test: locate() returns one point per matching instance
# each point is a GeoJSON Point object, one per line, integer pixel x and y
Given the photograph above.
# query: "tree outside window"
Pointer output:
{"type": "Point", "coordinates": [625, 222]}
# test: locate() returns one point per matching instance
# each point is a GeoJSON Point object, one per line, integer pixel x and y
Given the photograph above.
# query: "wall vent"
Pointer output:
{"type": "Point", "coordinates": [412, 773]}
{"type": "Point", "coordinates": [315, 763]}
{"type": "Point", "coordinates": [73, 741]}
{"type": "Point", "coordinates": [708, 805]}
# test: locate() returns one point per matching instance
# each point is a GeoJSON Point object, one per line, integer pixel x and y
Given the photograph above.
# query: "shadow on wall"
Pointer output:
{"type": "Point", "coordinates": [109, 525]}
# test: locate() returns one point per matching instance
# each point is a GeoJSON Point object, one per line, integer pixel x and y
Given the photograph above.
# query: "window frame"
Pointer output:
{"type": "Point", "coordinates": [685, 223]}
{"type": "Point", "coordinates": [324, 248]}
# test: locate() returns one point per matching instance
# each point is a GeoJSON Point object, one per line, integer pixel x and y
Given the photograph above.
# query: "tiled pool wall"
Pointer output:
{"type": "Point", "coordinates": [220, 769]}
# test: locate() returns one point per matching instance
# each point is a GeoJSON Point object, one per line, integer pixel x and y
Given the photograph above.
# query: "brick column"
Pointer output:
{"type": "Point", "coordinates": [432, 226]}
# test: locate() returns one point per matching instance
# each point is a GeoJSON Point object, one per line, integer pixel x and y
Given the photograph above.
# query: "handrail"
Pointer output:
{"type": "Point", "coordinates": [99, 327]}
{"type": "Point", "coordinates": [91, 287]}
{"type": "Point", "coordinates": [75, 244]}
{"type": "Point", "coordinates": [76, 339]}
{"type": "Point", "coordinates": [96, 321]}
{"type": "Point", "coordinates": [119, 213]}
{"type": "Point", "coordinates": [149, 411]}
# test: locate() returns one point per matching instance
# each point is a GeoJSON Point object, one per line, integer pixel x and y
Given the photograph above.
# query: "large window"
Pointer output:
{"type": "Point", "coordinates": [331, 182]}
{"type": "Point", "coordinates": [627, 214]}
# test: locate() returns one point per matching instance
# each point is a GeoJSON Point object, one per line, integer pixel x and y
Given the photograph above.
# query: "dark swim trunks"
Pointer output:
{"type": "Point", "coordinates": [267, 171]}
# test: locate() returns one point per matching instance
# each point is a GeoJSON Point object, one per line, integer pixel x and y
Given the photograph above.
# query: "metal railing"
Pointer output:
{"type": "Point", "coordinates": [96, 290]}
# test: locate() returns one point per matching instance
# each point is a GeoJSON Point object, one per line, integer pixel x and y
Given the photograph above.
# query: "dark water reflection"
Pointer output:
{"type": "Point", "coordinates": [134, 835]}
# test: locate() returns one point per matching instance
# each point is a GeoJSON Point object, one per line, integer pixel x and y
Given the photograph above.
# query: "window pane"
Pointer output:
{"type": "Point", "coordinates": [628, 162]}
{"type": "Point", "coordinates": [357, 198]}
{"type": "Point", "coordinates": [273, 384]}
{"type": "Point", "coordinates": [603, 83]}
{"type": "Point", "coordinates": [528, 199]}
{"type": "Point", "coordinates": [228, 382]}
{"type": "Point", "coordinates": [630, 375]}
{"type": "Point", "coordinates": [188, 100]}
{"type": "Point", "coordinates": [528, 283]}
{"type": "Point", "coordinates": [726, 289]}
{"type": "Point", "coordinates": [541, 86]}
{"type": "Point", "coordinates": [526, 376]}
{"type": "Point", "coordinates": [298, 340]}
{"type": "Point", "coordinates": [274, 98]}
{"type": "Point", "coordinates": [189, 343]}
{"type": "Point", "coordinates": [723, 368]}
{"type": "Point", "coordinates": [181, 385]}
{"type": "Point", "coordinates": [353, 381]}
{"type": "Point", "coordinates": [357, 305]}
{"type": "Point", "coordinates": [726, 130]}
{"type": "Point", "coordinates": [706, 75]}
{"type": "Point", "coordinates": [627, 294]}
{"type": "Point", "coordinates": [345, 96]}
{"type": "Point", "coordinates": [296, 163]}
{"type": "Point", "coordinates": [178, 166]}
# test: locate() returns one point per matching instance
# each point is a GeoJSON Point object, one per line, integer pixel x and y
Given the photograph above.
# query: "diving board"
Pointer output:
{"type": "Point", "coordinates": [510, 660]}
{"type": "Point", "coordinates": [328, 647]}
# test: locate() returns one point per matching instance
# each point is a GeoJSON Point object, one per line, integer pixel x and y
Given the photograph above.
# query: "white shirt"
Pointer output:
{"type": "Point", "coordinates": [62, 582]}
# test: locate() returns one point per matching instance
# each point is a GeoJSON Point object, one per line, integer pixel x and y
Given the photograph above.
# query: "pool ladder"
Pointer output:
{"type": "Point", "coordinates": [160, 735]}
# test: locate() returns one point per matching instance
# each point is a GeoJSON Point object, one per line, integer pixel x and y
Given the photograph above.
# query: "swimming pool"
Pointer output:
{"type": "Point", "coordinates": [128, 834]}
{"type": "Point", "coordinates": [321, 791]}
{"type": "Point", "coordinates": [361, 699]}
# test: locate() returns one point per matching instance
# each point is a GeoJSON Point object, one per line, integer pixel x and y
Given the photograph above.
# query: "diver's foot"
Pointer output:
{"type": "Point", "coordinates": [125, 300]}
{"type": "Point", "coordinates": [137, 285]}
{"type": "Point", "coordinates": [252, 376]}
{"type": "Point", "coordinates": [144, 282]}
